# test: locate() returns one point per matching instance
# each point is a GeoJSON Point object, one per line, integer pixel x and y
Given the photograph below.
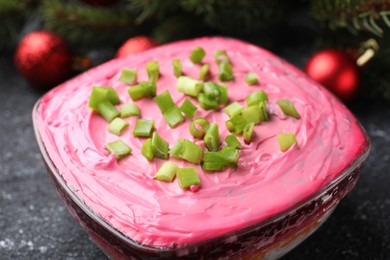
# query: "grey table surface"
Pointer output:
{"type": "Point", "coordinates": [35, 224]}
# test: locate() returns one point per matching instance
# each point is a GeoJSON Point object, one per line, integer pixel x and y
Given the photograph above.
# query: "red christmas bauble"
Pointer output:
{"type": "Point", "coordinates": [100, 2]}
{"type": "Point", "coordinates": [135, 45]}
{"type": "Point", "coordinates": [43, 59]}
{"type": "Point", "coordinates": [335, 70]}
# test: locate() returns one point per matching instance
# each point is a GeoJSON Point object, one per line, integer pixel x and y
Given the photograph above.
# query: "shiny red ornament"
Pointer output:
{"type": "Point", "coordinates": [135, 45]}
{"type": "Point", "coordinates": [100, 2]}
{"type": "Point", "coordinates": [335, 70]}
{"type": "Point", "coordinates": [43, 59]}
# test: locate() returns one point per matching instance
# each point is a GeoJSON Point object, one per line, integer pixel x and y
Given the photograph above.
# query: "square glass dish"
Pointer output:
{"type": "Point", "coordinates": [271, 202]}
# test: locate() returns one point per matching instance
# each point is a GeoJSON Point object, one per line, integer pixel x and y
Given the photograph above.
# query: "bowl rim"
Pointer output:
{"type": "Point", "coordinates": [93, 215]}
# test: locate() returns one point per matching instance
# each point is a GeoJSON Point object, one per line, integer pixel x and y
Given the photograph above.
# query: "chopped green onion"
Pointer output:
{"type": "Point", "coordinates": [147, 150]}
{"type": "Point", "coordinates": [117, 126]}
{"type": "Point", "coordinates": [213, 161]}
{"type": "Point", "coordinates": [173, 116]}
{"type": "Point", "coordinates": [230, 154]}
{"type": "Point", "coordinates": [164, 101]}
{"type": "Point", "coordinates": [251, 78]}
{"type": "Point", "coordinates": [128, 76]}
{"type": "Point", "coordinates": [128, 110]}
{"type": "Point", "coordinates": [189, 86]}
{"type": "Point", "coordinates": [160, 147]}
{"type": "Point", "coordinates": [204, 72]}
{"type": "Point", "coordinates": [188, 108]}
{"type": "Point", "coordinates": [188, 177]}
{"type": "Point", "coordinates": [211, 90]}
{"type": "Point", "coordinates": [107, 110]}
{"type": "Point", "coordinates": [286, 140]}
{"type": "Point", "coordinates": [288, 108]}
{"type": "Point", "coordinates": [119, 148]}
{"type": "Point", "coordinates": [220, 56]}
{"type": "Point", "coordinates": [187, 150]}
{"type": "Point", "coordinates": [167, 172]}
{"type": "Point", "coordinates": [207, 103]}
{"type": "Point", "coordinates": [248, 132]}
{"type": "Point", "coordinates": [256, 97]}
{"type": "Point", "coordinates": [232, 141]}
{"type": "Point", "coordinates": [100, 94]}
{"type": "Point", "coordinates": [197, 55]}
{"type": "Point", "coordinates": [263, 111]}
{"type": "Point", "coordinates": [143, 89]}
{"type": "Point", "coordinates": [153, 71]}
{"type": "Point", "coordinates": [233, 109]}
{"type": "Point", "coordinates": [236, 124]}
{"type": "Point", "coordinates": [199, 127]}
{"type": "Point", "coordinates": [223, 97]}
{"type": "Point", "coordinates": [177, 68]}
{"type": "Point", "coordinates": [252, 114]}
{"type": "Point", "coordinates": [212, 138]}
{"type": "Point", "coordinates": [143, 128]}
{"type": "Point", "coordinates": [225, 72]}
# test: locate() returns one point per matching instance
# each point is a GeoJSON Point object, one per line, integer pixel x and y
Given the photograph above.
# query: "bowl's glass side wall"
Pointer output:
{"type": "Point", "coordinates": [273, 237]}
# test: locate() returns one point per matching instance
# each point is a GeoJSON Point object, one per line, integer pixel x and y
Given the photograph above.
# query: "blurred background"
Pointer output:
{"type": "Point", "coordinates": [45, 42]}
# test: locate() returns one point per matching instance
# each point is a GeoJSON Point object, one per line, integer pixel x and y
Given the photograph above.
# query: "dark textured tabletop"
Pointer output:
{"type": "Point", "coordinates": [35, 224]}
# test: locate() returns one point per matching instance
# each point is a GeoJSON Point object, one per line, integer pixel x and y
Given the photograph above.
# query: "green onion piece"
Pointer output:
{"type": "Point", "coordinates": [117, 126]}
{"type": "Point", "coordinates": [213, 161]}
{"type": "Point", "coordinates": [223, 97]}
{"type": "Point", "coordinates": [225, 72]}
{"type": "Point", "coordinates": [230, 154]}
{"type": "Point", "coordinates": [207, 103]}
{"type": "Point", "coordinates": [251, 78]}
{"type": "Point", "coordinates": [212, 138]}
{"type": "Point", "coordinates": [177, 150]}
{"type": "Point", "coordinates": [173, 117]}
{"type": "Point", "coordinates": [189, 86]}
{"type": "Point", "coordinates": [252, 114]}
{"type": "Point", "coordinates": [177, 68]}
{"type": "Point", "coordinates": [167, 172]}
{"type": "Point", "coordinates": [232, 141]}
{"type": "Point", "coordinates": [204, 72]}
{"type": "Point", "coordinates": [147, 150]}
{"type": "Point", "coordinates": [160, 147]}
{"type": "Point", "coordinates": [143, 89]}
{"type": "Point", "coordinates": [143, 128]}
{"type": "Point", "coordinates": [288, 108]}
{"type": "Point", "coordinates": [233, 109]}
{"type": "Point", "coordinates": [256, 97]}
{"type": "Point", "coordinates": [220, 56]}
{"type": "Point", "coordinates": [199, 127]}
{"type": "Point", "coordinates": [286, 140]}
{"type": "Point", "coordinates": [119, 148]}
{"type": "Point", "coordinates": [236, 124]}
{"type": "Point", "coordinates": [128, 110]}
{"type": "Point", "coordinates": [197, 55]}
{"type": "Point", "coordinates": [153, 71]}
{"type": "Point", "coordinates": [188, 177]}
{"type": "Point", "coordinates": [263, 111]}
{"type": "Point", "coordinates": [187, 150]}
{"type": "Point", "coordinates": [100, 94]}
{"type": "Point", "coordinates": [211, 90]}
{"type": "Point", "coordinates": [107, 110]}
{"type": "Point", "coordinates": [164, 101]}
{"type": "Point", "coordinates": [248, 132]}
{"type": "Point", "coordinates": [188, 108]}
{"type": "Point", "coordinates": [128, 76]}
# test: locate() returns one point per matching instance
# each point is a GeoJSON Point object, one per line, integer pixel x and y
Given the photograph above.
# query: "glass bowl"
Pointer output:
{"type": "Point", "coordinates": [268, 239]}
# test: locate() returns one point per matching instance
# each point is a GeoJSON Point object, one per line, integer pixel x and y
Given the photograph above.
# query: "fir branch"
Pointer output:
{"type": "Point", "coordinates": [87, 25]}
{"type": "Point", "coordinates": [232, 16]}
{"type": "Point", "coordinates": [13, 15]}
{"type": "Point", "coordinates": [153, 9]}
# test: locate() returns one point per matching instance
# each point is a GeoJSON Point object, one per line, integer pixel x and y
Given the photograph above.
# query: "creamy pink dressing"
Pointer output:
{"type": "Point", "coordinates": [162, 214]}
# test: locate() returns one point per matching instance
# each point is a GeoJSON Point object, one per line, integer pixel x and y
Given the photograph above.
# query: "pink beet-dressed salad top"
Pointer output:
{"type": "Point", "coordinates": [265, 181]}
